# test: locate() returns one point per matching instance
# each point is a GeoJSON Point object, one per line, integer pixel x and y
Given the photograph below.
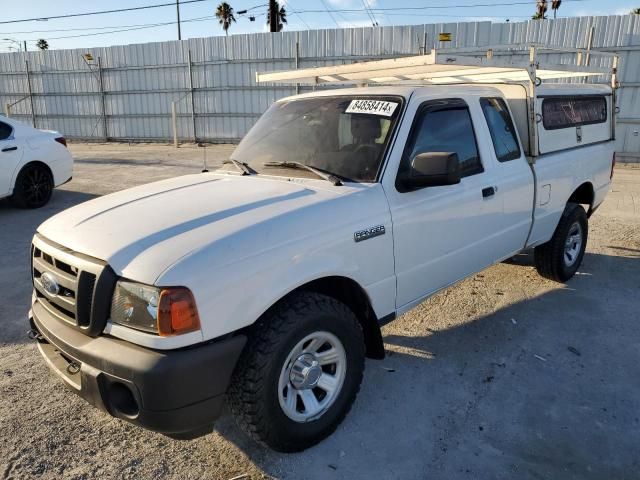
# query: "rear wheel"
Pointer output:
{"type": "Point", "coordinates": [560, 258]}
{"type": "Point", "coordinates": [299, 373]}
{"type": "Point", "coordinates": [34, 186]}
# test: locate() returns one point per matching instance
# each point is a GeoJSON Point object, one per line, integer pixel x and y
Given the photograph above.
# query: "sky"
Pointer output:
{"type": "Point", "coordinates": [198, 18]}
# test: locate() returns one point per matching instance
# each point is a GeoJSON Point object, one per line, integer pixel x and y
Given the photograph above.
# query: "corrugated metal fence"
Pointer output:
{"type": "Point", "coordinates": [125, 92]}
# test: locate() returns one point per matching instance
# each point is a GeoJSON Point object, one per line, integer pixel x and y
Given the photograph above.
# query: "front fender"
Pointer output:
{"type": "Point", "coordinates": [235, 295]}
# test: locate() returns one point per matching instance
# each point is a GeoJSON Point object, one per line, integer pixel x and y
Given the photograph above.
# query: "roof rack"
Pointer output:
{"type": "Point", "coordinates": [524, 64]}
{"type": "Point", "coordinates": [492, 64]}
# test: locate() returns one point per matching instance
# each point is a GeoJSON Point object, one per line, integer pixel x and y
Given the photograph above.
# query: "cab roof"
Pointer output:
{"type": "Point", "coordinates": [458, 90]}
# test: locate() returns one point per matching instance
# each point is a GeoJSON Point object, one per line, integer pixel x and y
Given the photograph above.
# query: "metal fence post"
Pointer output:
{"type": "Point", "coordinates": [174, 123]}
{"type": "Point", "coordinates": [297, 63]}
{"type": "Point", "coordinates": [7, 110]}
{"type": "Point", "coordinates": [592, 31]}
{"type": "Point", "coordinates": [33, 112]}
{"type": "Point", "coordinates": [105, 130]}
{"type": "Point", "coordinates": [193, 109]}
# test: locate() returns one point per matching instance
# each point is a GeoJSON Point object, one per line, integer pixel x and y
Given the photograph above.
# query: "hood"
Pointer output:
{"type": "Point", "coordinates": [142, 231]}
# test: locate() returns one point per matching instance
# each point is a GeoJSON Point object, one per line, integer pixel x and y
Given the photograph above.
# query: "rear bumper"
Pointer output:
{"type": "Point", "coordinates": [62, 167]}
{"type": "Point", "coordinates": [176, 392]}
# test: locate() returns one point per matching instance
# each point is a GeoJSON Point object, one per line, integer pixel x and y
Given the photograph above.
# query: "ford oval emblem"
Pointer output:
{"type": "Point", "coordinates": [50, 283]}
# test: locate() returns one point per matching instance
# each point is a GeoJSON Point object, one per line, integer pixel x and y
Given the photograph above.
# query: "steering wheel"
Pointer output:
{"type": "Point", "coordinates": [364, 161]}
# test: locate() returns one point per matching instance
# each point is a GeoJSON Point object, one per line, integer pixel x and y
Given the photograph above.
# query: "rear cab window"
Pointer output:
{"type": "Point", "coordinates": [501, 128]}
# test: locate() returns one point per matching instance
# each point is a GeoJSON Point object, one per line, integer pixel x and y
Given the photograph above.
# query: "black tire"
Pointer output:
{"type": "Point", "coordinates": [34, 186]}
{"type": "Point", "coordinates": [254, 392]}
{"type": "Point", "coordinates": [550, 258]}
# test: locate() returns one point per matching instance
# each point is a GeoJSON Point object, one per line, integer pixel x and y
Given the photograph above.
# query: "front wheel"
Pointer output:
{"type": "Point", "coordinates": [299, 373]}
{"type": "Point", "coordinates": [560, 258]}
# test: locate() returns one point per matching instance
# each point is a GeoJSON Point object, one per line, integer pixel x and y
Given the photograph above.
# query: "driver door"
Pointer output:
{"type": "Point", "coordinates": [442, 233]}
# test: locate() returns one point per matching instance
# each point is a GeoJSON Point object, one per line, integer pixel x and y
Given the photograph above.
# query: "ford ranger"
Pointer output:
{"type": "Point", "coordinates": [264, 283]}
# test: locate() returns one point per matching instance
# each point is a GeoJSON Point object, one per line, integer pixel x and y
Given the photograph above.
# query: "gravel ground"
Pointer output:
{"type": "Point", "coordinates": [505, 375]}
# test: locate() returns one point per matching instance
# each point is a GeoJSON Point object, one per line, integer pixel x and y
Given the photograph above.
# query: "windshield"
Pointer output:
{"type": "Point", "coordinates": [343, 136]}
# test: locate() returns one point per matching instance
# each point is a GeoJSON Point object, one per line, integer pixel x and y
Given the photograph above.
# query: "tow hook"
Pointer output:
{"type": "Point", "coordinates": [34, 334]}
{"type": "Point", "coordinates": [73, 368]}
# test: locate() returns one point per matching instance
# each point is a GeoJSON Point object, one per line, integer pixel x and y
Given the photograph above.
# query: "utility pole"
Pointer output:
{"type": "Point", "coordinates": [273, 16]}
{"type": "Point", "coordinates": [178, 13]}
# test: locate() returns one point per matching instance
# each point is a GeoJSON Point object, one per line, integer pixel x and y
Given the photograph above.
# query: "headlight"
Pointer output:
{"type": "Point", "coordinates": [161, 311]}
{"type": "Point", "coordinates": [135, 305]}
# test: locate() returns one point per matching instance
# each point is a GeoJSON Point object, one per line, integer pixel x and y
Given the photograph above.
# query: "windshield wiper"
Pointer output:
{"type": "Point", "coordinates": [242, 166]}
{"type": "Point", "coordinates": [329, 177]}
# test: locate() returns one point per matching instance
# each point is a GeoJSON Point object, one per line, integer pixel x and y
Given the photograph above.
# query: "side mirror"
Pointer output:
{"type": "Point", "coordinates": [432, 169]}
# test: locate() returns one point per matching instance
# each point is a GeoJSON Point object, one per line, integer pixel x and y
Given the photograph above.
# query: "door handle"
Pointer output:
{"type": "Point", "coordinates": [9, 149]}
{"type": "Point", "coordinates": [488, 192]}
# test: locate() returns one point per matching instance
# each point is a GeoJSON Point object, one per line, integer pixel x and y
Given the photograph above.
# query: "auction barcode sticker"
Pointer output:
{"type": "Point", "coordinates": [373, 107]}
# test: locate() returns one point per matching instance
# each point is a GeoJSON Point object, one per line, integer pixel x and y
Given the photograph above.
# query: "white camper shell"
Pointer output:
{"type": "Point", "coordinates": [567, 115]}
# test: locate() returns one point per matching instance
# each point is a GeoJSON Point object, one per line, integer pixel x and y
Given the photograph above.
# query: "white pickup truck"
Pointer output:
{"type": "Point", "coordinates": [265, 283]}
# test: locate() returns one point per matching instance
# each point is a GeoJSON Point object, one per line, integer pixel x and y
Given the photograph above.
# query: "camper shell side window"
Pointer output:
{"type": "Point", "coordinates": [573, 111]}
{"type": "Point", "coordinates": [572, 119]}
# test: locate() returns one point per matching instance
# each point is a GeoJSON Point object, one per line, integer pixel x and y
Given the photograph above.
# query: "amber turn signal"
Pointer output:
{"type": "Point", "coordinates": [177, 312]}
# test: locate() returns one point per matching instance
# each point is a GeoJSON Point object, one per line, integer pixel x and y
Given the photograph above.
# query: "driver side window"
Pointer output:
{"type": "Point", "coordinates": [444, 126]}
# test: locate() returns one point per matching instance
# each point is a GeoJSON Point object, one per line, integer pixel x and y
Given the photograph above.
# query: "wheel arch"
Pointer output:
{"type": "Point", "coordinates": [19, 170]}
{"type": "Point", "coordinates": [584, 195]}
{"type": "Point", "coordinates": [351, 293]}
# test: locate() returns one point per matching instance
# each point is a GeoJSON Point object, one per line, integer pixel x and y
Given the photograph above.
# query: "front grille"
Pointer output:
{"type": "Point", "coordinates": [86, 288]}
{"type": "Point", "coordinates": [68, 290]}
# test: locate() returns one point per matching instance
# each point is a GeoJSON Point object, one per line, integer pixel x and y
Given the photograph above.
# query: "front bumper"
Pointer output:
{"type": "Point", "coordinates": [175, 392]}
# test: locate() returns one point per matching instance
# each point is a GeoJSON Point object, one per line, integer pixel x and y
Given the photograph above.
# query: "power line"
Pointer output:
{"type": "Point", "coordinates": [101, 12]}
{"type": "Point", "coordinates": [383, 14]}
{"type": "Point", "coordinates": [295, 12]}
{"type": "Point", "coordinates": [199, 19]}
{"type": "Point", "coordinates": [299, 16]}
{"type": "Point", "coordinates": [141, 27]}
{"type": "Point", "coordinates": [367, 12]}
{"type": "Point", "coordinates": [329, 12]}
{"type": "Point", "coordinates": [367, 9]}
{"type": "Point", "coordinates": [346, 21]}
{"type": "Point", "coordinates": [395, 9]}
{"type": "Point", "coordinates": [119, 28]}
{"type": "Point", "coordinates": [138, 27]}
{"type": "Point", "coordinates": [439, 15]}
{"type": "Point", "coordinates": [82, 29]}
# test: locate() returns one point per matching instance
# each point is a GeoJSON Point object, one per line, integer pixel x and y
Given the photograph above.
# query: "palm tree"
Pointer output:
{"type": "Point", "coordinates": [282, 17]}
{"type": "Point", "coordinates": [555, 5]}
{"type": "Point", "coordinates": [541, 10]}
{"type": "Point", "coordinates": [42, 44]}
{"type": "Point", "coordinates": [224, 13]}
{"type": "Point", "coordinates": [635, 11]}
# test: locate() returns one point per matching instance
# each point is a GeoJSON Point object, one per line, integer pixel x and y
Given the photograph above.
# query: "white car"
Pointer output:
{"type": "Point", "coordinates": [32, 163]}
{"type": "Point", "coordinates": [266, 284]}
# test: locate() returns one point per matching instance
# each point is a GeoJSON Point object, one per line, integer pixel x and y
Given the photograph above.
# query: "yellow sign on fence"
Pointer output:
{"type": "Point", "coordinates": [444, 37]}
